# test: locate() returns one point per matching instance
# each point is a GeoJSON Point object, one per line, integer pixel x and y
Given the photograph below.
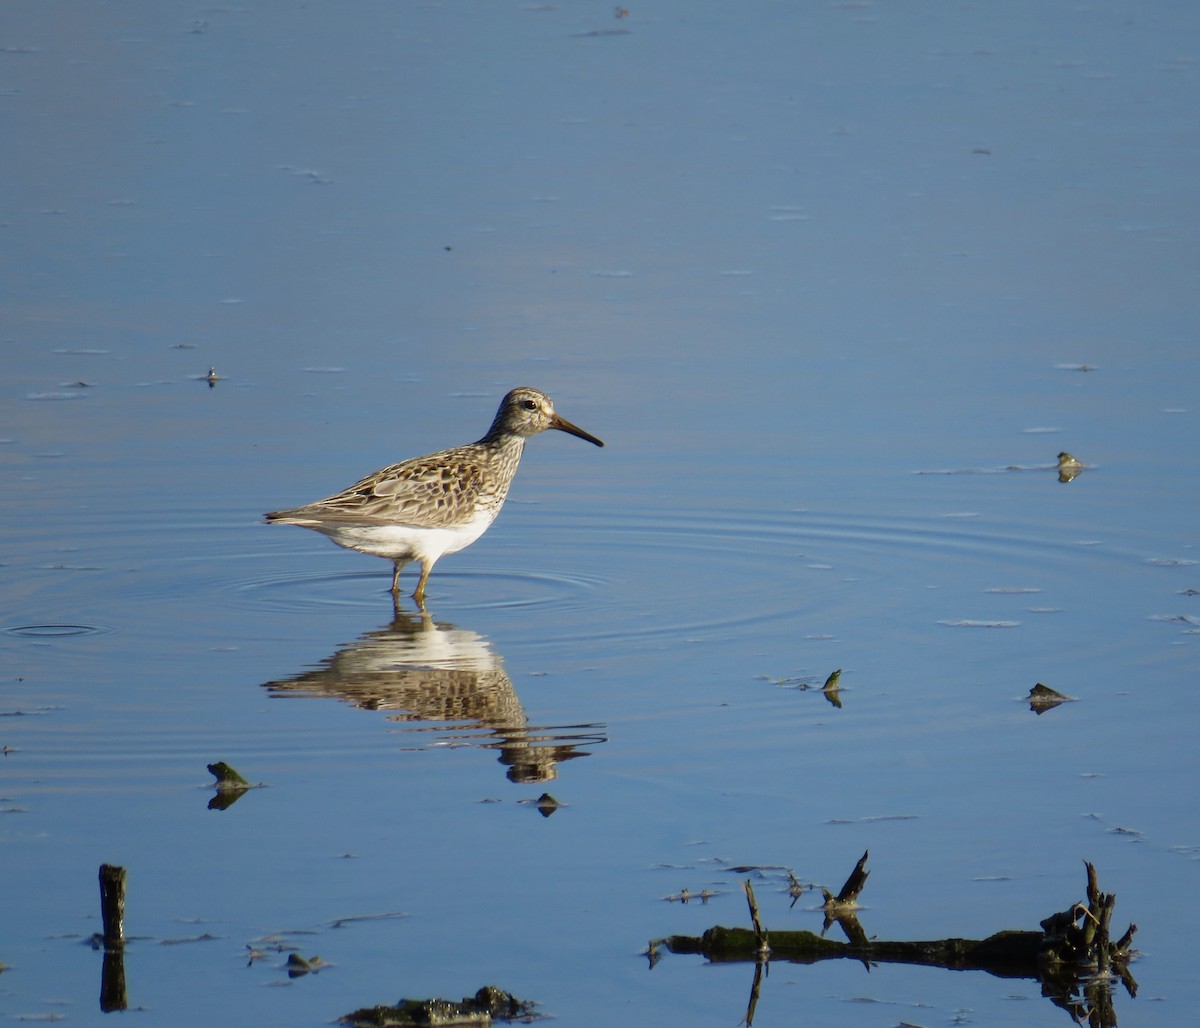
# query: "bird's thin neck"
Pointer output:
{"type": "Point", "coordinates": [503, 443]}
{"type": "Point", "coordinates": [502, 437]}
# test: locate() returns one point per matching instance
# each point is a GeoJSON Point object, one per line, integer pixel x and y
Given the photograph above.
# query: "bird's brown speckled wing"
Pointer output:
{"type": "Point", "coordinates": [441, 490]}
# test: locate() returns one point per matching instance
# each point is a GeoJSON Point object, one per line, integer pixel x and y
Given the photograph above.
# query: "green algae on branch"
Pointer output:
{"type": "Point", "coordinates": [997, 953]}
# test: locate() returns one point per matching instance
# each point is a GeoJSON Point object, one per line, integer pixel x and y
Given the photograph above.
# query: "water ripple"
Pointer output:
{"type": "Point", "coordinates": [55, 631]}
{"type": "Point", "coordinates": [644, 576]}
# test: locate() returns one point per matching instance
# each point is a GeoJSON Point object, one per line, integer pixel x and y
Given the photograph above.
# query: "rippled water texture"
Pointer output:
{"type": "Point", "coordinates": [836, 284]}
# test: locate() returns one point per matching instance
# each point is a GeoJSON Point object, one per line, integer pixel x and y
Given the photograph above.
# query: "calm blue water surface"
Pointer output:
{"type": "Point", "coordinates": [834, 282]}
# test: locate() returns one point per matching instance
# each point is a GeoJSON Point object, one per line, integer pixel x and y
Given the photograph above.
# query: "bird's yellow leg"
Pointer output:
{"type": "Point", "coordinates": [419, 592]}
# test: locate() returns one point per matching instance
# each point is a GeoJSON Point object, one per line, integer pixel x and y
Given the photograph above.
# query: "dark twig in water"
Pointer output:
{"type": "Point", "coordinates": [848, 897]}
{"type": "Point", "coordinates": [760, 934]}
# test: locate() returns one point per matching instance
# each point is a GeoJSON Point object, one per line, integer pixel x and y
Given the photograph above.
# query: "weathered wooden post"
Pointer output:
{"type": "Point", "coordinates": [112, 903]}
{"type": "Point", "coordinates": [112, 913]}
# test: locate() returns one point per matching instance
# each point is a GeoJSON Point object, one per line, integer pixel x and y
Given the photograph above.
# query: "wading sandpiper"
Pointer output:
{"type": "Point", "coordinates": [426, 507]}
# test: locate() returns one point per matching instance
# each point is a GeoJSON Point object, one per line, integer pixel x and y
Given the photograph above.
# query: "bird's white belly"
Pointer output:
{"type": "Point", "coordinates": [407, 542]}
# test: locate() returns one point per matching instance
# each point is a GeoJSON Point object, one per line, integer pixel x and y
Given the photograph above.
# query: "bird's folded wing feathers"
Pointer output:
{"type": "Point", "coordinates": [421, 491]}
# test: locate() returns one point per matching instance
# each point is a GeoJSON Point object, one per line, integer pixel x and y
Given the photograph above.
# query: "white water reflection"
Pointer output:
{"type": "Point", "coordinates": [447, 682]}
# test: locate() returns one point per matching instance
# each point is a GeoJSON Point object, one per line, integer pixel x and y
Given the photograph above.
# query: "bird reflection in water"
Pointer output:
{"type": "Point", "coordinates": [435, 678]}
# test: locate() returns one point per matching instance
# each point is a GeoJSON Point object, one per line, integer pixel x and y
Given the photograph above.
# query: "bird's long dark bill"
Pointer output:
{"type": "Point", "coordinates": [563, 425]}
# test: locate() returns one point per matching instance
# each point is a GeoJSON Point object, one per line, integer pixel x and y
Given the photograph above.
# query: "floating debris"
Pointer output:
{"type": "Point", "coordinates": [227, 778]}
{"type": "Point", "coordinates": [847, 898]}
{"type": "Point", "coordinates": [320, 178]}
{"type": "Point", "coordinates": [1042, 698]}
{"type": "Point", "coordinates": [600, 32]}
{"type": "Point", "coordinates": [230, 786]}
{"type": "Point", "coordinates": [1072, 956]}
{"type": "Point", "coordinates": [487, 1005]}
{"type": "Point", "coordinates": [341, 922]}
{"type": "Point", "coordinates": [796, 888]}
{"type": "Point", "coordinates": [1068, 467]}
{"type": "Point", "coordinates": [184, 939]}
{"type": "Point", "coordinates": [298, 966]}
{"type": "Point", "coordinates": [832, 690]}
{"type": "Point", "coordinates": [685, 895]}
{"type": "Point", "coordinates": [804, 683]}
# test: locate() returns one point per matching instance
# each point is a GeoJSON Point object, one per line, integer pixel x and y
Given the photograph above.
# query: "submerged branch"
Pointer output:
{"type": "Point", "coordinates": [1072, 955]}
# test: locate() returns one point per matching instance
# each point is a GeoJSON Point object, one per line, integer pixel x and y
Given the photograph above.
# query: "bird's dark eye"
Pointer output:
{"type": "Point", "coordinates": [529, 404]}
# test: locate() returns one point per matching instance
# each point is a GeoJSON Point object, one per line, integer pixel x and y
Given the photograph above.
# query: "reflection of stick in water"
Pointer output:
{"type": "Point", "coordinates": [1072, 956]}
{"type": "Point", "coordinates": [434, 677]}
{"type": "Point", "coordinates": [112, 915]}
